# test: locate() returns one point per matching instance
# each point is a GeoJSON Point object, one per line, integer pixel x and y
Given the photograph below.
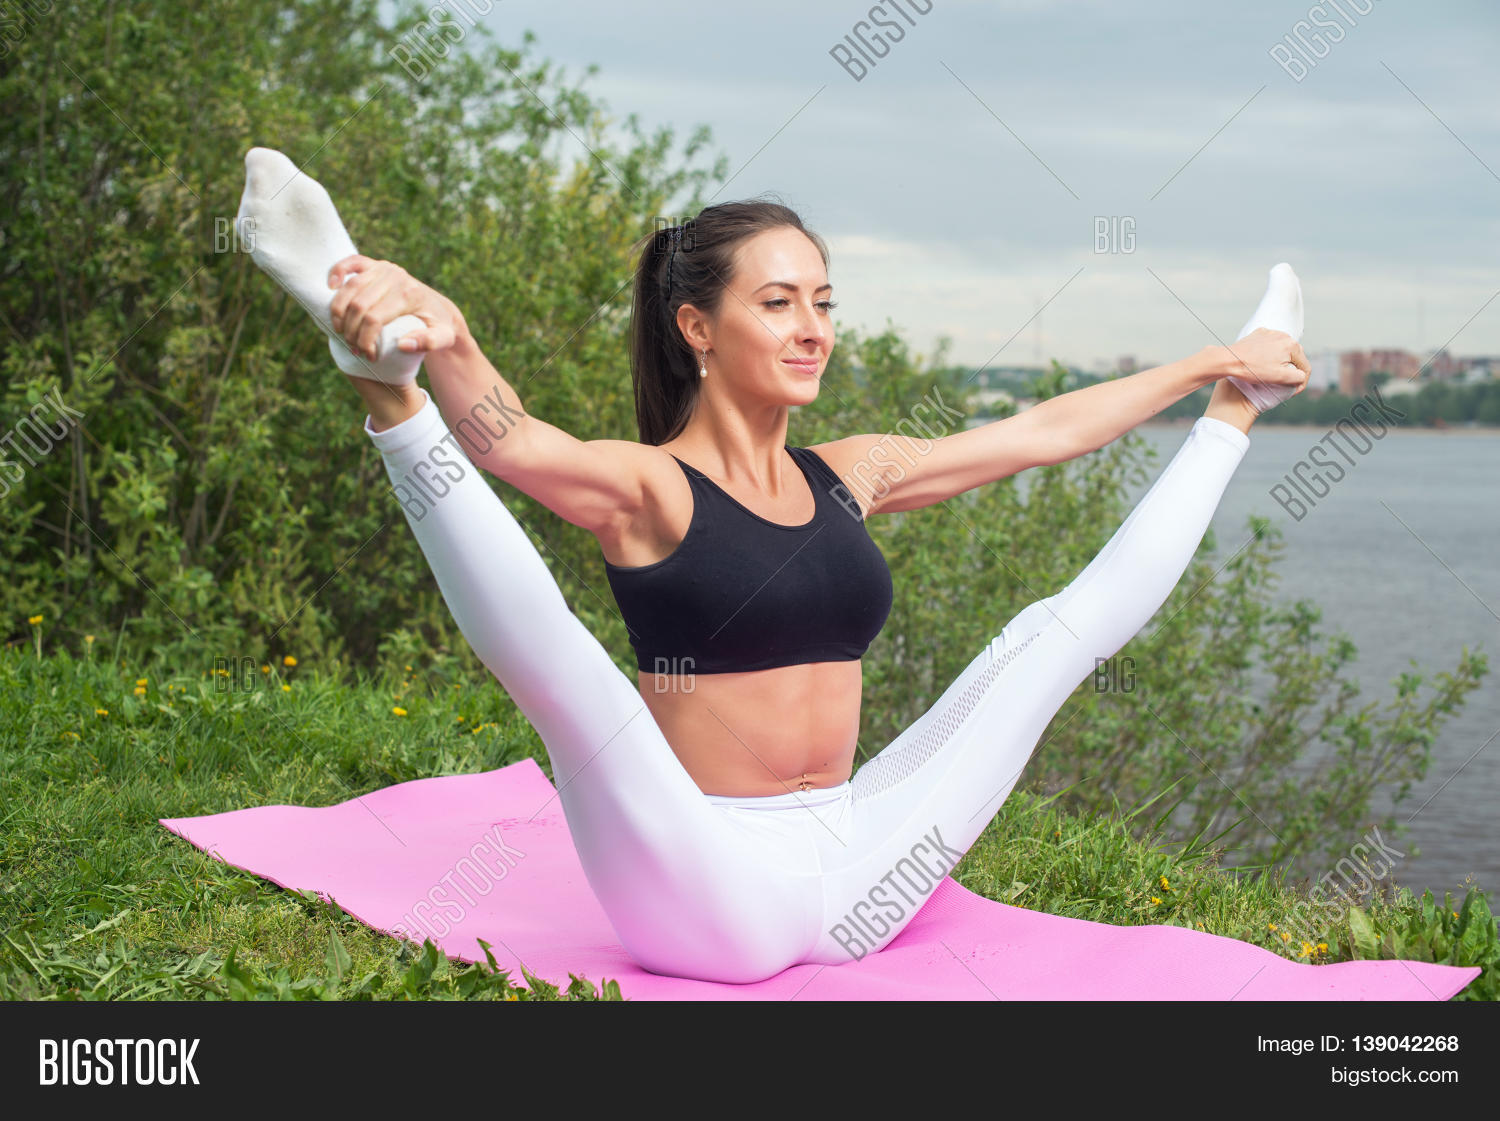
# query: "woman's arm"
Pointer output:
{"type": "Point", "coordinates": [889, 473]}
{"type": "Point", "coordinates": [1084, 420]}
{"type": "Point", "coordinates": [597, 484]}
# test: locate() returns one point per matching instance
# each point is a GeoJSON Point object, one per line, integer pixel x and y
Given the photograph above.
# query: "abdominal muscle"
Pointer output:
{"type": "Point", "coordinates": [763, 732]}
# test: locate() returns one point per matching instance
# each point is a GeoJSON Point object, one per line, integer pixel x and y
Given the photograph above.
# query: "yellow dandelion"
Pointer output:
{"type": "Point", "coordinates": [408, 669]}
{"type": "Point", "coordinates": [73, 734]}
{"type": "Point", "coordinates": [265, 669]}
{"type": "Point", "coordinates": [1057, 832]}
{"type": "Point", "coordinates": [460, 719]}
{"type": "Point", "coordinates": [1322, 947]}
{"type": "Point", "coordinates": [1455, 914]}
{"type": "Point", "coordinates": [89, 639]}
{"type": "Point", "coordinates": [1155, 899]}
{"type": "Point", "coordinates": [1270, 926]}
{"type": "Point", "coordinates": [140, 690]}
{"type": "Point", "coordinates": [1285, 937]}
{"type": "Point", "coordinates": [285, 688]}
{"type": "Point", "coordinates": [511, 996]}
{"type": "Point", "coordinates": [288, 660]}
{"type": "Point", "coordinates": [34, 620]}
{"type": "Point", "coordinates": [1165, 885]}
{"type": "Point", "coordinates": [140, 681]}
{"type": "Point", "coordinates": [101, 712]}
{"type": "Point", "coordinates": [399, 711]}
{"type": "Point", "coordinates": [1200, 926]}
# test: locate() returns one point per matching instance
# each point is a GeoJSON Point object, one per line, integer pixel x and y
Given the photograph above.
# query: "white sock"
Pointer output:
{"type": "Point", "coordinates": [296, 237]}
{"type": "Point", "coordinates": [1281, 310]}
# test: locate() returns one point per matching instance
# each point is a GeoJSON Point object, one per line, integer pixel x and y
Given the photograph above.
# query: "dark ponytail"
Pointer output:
{"type": "Point", "coordinates": [699, 255]}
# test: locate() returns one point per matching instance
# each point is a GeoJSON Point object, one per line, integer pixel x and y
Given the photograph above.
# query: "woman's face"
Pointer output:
{"type": "Point", "coordinates": [774, 330]}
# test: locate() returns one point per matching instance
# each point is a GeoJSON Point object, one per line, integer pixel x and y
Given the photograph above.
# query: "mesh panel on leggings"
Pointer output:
{"type": "Point", "coordinates": [891, 767]}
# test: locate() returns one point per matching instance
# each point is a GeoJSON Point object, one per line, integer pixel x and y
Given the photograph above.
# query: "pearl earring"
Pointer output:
{"type": "Point", "coordinates": [703, 365]}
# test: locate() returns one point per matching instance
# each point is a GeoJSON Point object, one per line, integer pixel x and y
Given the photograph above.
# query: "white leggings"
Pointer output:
{"type": "Point", "coordinates": [739, 889]}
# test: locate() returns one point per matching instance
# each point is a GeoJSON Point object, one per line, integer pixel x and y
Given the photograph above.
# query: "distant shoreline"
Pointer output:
{"type": "Point", "coordinates": [1428, 430]}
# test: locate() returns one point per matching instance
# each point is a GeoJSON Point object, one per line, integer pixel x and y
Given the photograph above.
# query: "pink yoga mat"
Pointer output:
{"type": "Point", "coordinates": [489, 856]}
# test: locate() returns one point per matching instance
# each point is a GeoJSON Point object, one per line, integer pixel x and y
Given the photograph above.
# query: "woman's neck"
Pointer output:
{"type": "Point", "coordinates": [735, 442]}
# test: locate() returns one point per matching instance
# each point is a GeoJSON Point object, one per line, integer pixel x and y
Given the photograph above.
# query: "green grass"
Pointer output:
{"type": "Point", "coordinates": [97, 901]}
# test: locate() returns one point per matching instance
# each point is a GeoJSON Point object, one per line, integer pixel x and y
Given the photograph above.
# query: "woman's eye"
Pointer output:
{"type": "Point", "coordinates": [782, 301]}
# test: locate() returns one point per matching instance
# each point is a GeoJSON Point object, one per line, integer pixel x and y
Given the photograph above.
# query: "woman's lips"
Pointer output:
{"type": "Point", "coordinates": [807, 365]}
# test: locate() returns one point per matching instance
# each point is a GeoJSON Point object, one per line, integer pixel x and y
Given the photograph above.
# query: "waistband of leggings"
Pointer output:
{"type": "Point", "coordinates": [796, 799]}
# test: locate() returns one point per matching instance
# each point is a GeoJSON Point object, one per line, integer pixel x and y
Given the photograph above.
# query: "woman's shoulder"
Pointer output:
{"type": "Point", "coordinates": [853, 458]}
{"type": "Point", "coordinates": [849, 465]}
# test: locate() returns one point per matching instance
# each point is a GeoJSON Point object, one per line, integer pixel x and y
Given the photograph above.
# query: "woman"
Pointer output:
{"type": "Point", "coordinates": [711, 801]}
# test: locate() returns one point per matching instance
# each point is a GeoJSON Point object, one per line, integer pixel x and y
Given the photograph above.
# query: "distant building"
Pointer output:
{"type": "Point", "coordinates": [1325, 371]}
{"type": "Point", "coordinates": [1356, 366]}
{"type": "Point", "coordinates": [1443, 365]}
{"type": "Point", "coordinates": [1126, 364]}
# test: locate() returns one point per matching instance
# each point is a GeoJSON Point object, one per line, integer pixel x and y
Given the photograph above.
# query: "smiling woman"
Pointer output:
{"type": "Point", "coordinates": [711, 801]}
{"type": "Point", "coordinates": [688, 315]}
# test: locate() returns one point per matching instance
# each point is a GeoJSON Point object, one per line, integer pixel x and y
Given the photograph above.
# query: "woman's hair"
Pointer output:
{"type": "Point", "coordinates": [663, 367]}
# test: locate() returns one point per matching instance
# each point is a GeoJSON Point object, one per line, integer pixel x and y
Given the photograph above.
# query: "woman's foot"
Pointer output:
{"type": "Point", "coordinates": [389, 404]}
{"type": "Point", "coordinates": [1231, 406]}
{"type": "Point", "coordinates": [296, 238]}
{"type": "Point", "coordinates": [1280, 310]}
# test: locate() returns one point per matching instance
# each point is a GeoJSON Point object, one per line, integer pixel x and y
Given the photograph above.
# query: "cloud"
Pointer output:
{"type": "Point", "coordinates": [946, 179]}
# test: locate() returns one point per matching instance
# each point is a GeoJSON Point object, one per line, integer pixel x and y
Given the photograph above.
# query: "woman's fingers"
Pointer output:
{"type": "Point", "coordinates": [363, 306]}
{"type": "Point", "coordinates": [348, 265]}
{"type": "Point", "coordinates": [351, 280]}
{"type": "Point", "coordinates": [1272, 357]}
{"type": "Point", "coordinates": [438, 337]}
{"type": "Point", "coordinates": [377, 304]}
{"type": "Point", "coordinates": [1299, 359]}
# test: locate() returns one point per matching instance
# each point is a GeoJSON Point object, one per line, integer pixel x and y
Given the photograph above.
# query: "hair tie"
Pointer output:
{"type": "Point", "coordinates": [676, 232]}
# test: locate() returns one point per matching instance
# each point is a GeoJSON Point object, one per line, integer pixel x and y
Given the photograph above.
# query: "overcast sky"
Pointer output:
{"type": "Point", "coordinates": [958, 182]}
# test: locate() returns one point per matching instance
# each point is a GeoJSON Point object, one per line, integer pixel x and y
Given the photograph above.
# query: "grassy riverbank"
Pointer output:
{"type": "Point", "coordinates": [97, 901]}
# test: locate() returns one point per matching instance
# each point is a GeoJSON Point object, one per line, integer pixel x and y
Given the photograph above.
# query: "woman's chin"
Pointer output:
{"type": "Point", "coordinates": [802, 392]}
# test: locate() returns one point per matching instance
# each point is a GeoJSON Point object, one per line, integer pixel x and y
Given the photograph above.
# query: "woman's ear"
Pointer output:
{"type": "Point", "coordinates": [694, 328]}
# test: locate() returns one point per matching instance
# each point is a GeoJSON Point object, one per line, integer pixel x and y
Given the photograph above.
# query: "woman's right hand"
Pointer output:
{"type": "Point", "coordinates": [373, 293]}
{"type": "Point", "coordinates": [1267, 356]}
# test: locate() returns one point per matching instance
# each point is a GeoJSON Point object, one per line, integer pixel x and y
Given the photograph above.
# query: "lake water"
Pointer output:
{"type": "Point", "coordinates": [1403, 556]}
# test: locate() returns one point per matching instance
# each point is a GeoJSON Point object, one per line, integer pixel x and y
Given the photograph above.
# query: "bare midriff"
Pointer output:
{"type": "Point", "coordinates": [761, 732]}
{"type": "Point", "coordinates": [755, 733]}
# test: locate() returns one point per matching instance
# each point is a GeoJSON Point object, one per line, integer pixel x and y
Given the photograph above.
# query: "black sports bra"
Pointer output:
{"type": "Point", "coordinates": [743, 593]}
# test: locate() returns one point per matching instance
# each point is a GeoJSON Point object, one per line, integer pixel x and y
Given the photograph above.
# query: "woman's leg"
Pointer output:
{"type": "Point", "coordinates": [920, 803]}
{"type": "Point", "coordinates": [687, 892]}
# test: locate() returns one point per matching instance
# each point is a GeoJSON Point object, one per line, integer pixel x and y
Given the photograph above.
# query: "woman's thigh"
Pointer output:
{"type": "Point", "coordinates": [920, 804]}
